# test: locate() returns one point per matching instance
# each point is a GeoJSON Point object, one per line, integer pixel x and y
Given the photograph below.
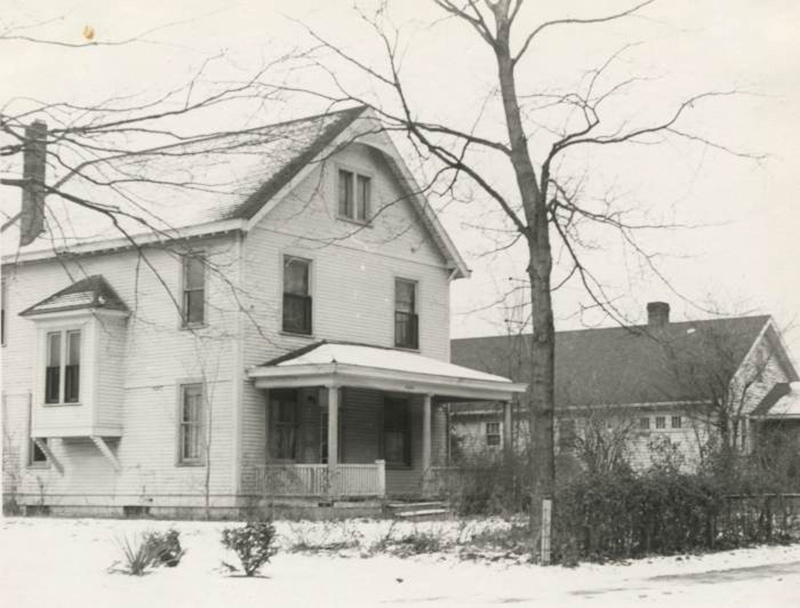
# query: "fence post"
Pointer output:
{"type": "Point", "coordinates": [381, 477]}
{"type": "Point", "coordinates": [547, 513]}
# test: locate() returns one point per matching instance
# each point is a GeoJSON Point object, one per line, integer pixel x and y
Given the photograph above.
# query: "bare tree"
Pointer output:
{"type": "Point", "coordinates": [547, 208]}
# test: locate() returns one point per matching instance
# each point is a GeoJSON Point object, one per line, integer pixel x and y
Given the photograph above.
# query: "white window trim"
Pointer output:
{"type": "Point", "coordinates": [184, 320]}
{"type": "Point", "coordinates": [370, 207]}
{"type": "Point", "coordinates": [64, 330]}
{"type": "Point", "coordinates": [180, 461]}
{"type": "Point", "coordinates": [311, 292]}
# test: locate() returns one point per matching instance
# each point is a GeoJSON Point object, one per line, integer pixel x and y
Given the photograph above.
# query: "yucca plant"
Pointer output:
{"type": "Point", "coordinates": [137, 555]}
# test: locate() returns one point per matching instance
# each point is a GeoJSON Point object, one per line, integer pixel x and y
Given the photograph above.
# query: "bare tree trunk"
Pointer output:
{"type": "Point", "coordinates": [539, 272]}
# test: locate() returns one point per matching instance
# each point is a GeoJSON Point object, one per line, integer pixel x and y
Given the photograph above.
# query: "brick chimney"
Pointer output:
{"type": "Point", "coordinates": [657, 314]}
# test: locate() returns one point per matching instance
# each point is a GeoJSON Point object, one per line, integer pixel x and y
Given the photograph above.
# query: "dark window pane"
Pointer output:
{"type": "Point", "coordinates": [284, 408]}
{"type": "Point", "coordinates": [52, 383]}
{"type": "Point", "coordinates": [363, 199]}
{"type": "Point", "coordinates": [406, 333]}
{"type": "Point", "coordinates": [396, 432]}
{"type": "Point", "coordinates": [194, 307]}
{"type": "Point", "coordinates": [194, 272]}
{"type": "Point", "coordinates": [37, 454]}
{"type": "Point", "coordinates": [345, 193]}
{"type": "Point", "coordinates": [295, 276]}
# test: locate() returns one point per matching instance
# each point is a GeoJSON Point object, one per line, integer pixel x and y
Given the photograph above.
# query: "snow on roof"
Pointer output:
{"type": "Point", "coordinates": [91, 292]}
{"type": "Point", "coordinates": [361, 355]}
{"type": "Point", "coordinates": [222, 177]}
{"type": "Point", "coordinates": [783, 401]}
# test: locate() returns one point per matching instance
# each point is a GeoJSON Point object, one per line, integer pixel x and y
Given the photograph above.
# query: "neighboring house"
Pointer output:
{"type": "Point", "coordinates": [283, 332]}
{"type": "Point", "coordinates": [682, 382]}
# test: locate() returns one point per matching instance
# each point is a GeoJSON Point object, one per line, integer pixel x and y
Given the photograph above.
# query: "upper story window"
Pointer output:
{"type": "Point", "coordinates": [406, 322]}
{"type": "Point", "coordinates": [676, 422]}
{"type": "Point", "coordinates": [644, 423]}
{"type": "Point", "coordinates": [355, 194]}
{"type": "Point", "coordinates": [297, 302]}
{"type": "Point", "coordinates": [63, 368]}
{"type": "Point", "coordinates": [661, 422]}
{"type": "Point", "coordinates": [191, 424]}
{"type": "Point", "coordinates": [194, 290]}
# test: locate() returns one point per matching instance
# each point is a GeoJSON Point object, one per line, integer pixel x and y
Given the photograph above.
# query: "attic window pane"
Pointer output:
{"type": "Point", "coordinates": [345, 193]}
{"type": "Point", "coordinates": [363, 200]}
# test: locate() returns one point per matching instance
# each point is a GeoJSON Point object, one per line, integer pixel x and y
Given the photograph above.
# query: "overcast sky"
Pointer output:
{"type": "Point", "coordinates": [742, 253]}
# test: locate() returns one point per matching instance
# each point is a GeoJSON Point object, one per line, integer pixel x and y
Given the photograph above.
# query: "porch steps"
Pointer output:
{"type": "Point", "coordinates": [418, 510]}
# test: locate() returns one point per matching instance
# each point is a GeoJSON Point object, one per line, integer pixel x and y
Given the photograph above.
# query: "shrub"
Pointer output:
{"type": "Point", "coordinates": [136, 555]}
{"type": "Point", "coordinates": [165, 547]}
{"type": "Point", "coordinates": [252, 543]}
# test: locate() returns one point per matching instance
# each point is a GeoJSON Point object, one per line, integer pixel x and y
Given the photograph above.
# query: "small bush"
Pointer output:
{"type": "Point", "coordinates": [253, 543]}
{"type": "Point", "coordinates": [136, 555]}
{"type": "Point", "coordinates": [165, 547]}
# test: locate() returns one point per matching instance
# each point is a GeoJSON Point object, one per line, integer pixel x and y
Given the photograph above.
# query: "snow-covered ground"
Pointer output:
{"type": "Point", "coordinates": [65, 562]}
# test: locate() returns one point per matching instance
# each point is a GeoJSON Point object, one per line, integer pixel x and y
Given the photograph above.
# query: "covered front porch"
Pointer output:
{"type": "Point", "coordinates": [349, 421]}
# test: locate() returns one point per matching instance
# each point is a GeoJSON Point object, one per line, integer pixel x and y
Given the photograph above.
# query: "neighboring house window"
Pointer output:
{"type": "Point", "coordinates": [194, 290]}
{"type": "Point", "coordinates": [644, 423]}
{"type": "Point", "coordinates": [567, 435]}
{"type": "Point", "coordinates": [285, 419]}
{"type": "Point", "coordinates": [397, 432]}
{"type": "Point", "coordinates": [355, 193]}
{"type": "Point", "coordinates": [676, 422]}
{"type": "Point", "coordinates": [297, 303]}
{"type": "Point", "coordinates": [191, 429]}
{"type": "Point", "coordinates": [492, 433]}
{"type": "Point", "coordinates": [406, 321]}
{"type": "Point", "coordinates": [63, 369]}
{"type": "Point", "coordinates": [37, 455]}
{"type": "Point", "coordinates": [661, 422]}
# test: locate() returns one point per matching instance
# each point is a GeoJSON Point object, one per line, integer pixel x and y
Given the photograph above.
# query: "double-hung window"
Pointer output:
{"type": "Point", "coordinates": [396, 432]}
{"type": "Point", "coordinates": [355, 194]}
{"type": "Point", "coordinates": [63, 367]}
{"type": "Point", "coordinates": [194, 290]}
{"type": "Point", "coordinates": [406, 321]}
{"type": "Point", "coordinates": [190, 449]}
{"type": "Point", "coordinates": [492, 433]}
{"type": "Point", "coordinates": [297, 302]}
{"type": "Point", "coordinates": [36, 455]}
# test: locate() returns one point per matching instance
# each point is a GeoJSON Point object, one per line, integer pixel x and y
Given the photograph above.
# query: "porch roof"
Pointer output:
{"type": "Point", "coordinates": [783, 401]}
{"type": "Point", "coordinates": [329, 363]}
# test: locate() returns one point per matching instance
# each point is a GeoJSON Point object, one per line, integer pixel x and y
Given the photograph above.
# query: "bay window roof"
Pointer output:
{"type": "Point", "coordinates": [90, 293]}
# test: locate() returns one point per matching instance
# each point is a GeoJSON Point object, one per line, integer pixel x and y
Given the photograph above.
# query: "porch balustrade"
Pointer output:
{"type": "Point", "coordinates": [309, 480]}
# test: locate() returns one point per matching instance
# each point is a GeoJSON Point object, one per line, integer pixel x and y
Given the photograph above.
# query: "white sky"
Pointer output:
{"type": "Point", "coordinates": [745, 258]}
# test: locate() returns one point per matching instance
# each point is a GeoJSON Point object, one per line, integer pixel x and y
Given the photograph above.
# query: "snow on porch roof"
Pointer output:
{"type": "Point", "coordinates": [383, 368]}
{"type": "Point", "coordinates": [783, 401]}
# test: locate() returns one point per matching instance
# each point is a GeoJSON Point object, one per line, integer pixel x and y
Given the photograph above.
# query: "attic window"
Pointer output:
{"type": "Point", "coordinates": [355, 194]}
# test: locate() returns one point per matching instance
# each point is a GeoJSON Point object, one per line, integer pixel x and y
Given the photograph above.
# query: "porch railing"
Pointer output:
{"type": "Point", "coordinates": [309, 480]}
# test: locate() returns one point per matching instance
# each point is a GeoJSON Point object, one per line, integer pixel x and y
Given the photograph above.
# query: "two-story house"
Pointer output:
{"type": "Point", "coordinates": [277, 328]}
{"type": "Point", "coordinates": [680, 385]}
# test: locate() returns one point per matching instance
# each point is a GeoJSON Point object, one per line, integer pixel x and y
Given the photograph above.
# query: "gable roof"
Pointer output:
{"type": "Point", "coordinates": [212, 184]}
{"type": "Point", "coordinates": [782, 401]}
{"type": "Point", "coordinates": [93, 292]}
{"type": "Point", "coordinates": [627, 365]}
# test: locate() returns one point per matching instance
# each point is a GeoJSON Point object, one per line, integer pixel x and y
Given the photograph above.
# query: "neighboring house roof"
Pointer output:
{"type": "Point", "coordinates": [783, 401]}
{"type": "Point", "coordinates": [628, 365]}
{"type": "Point", "coordinates": [352, 364]}
{"type": "Point", "coordinates": [218, 183]}
{"type": "Point", "coordinates": [93, 292]}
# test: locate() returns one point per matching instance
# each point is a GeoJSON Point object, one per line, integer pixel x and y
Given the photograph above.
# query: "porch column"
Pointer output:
{"type": "Point", "coordinates": [507, 426]}
{"type": "Point", "coordinates": [426, 441]}
{"type": "Point", "coordinates": [333, 428]}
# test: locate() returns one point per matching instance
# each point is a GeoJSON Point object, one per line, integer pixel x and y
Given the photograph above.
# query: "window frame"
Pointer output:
{"type": "Point", "coordinates": [33, 448]}
{"type": "Point", "coordinates": [407, 461]}
{"type": "Point", "coordinates": [352, 205]}
{"type": "Point", "coordinates": [309, 296]}
{"type": "Point", "coordinates": [661, 423]}
{"type": "Point", "coordinates": [494, 439]}
{"type": "Point", "coordinates": [415, 344]}
{"type": "Point", "coordinates": [200, 424]}
{"type": "Point", "coordinates": [276, 424]}
{"type": "Point", "coordinates": [3, 311]}
{"type": "Point", "coordinates": [644, 423]}
{"type": "Point", "coordinates": [676, 422]}
{"type": "Point", "coordinates": [186, 259]}
{"type": "Point", "coordinates": [64, 342]}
